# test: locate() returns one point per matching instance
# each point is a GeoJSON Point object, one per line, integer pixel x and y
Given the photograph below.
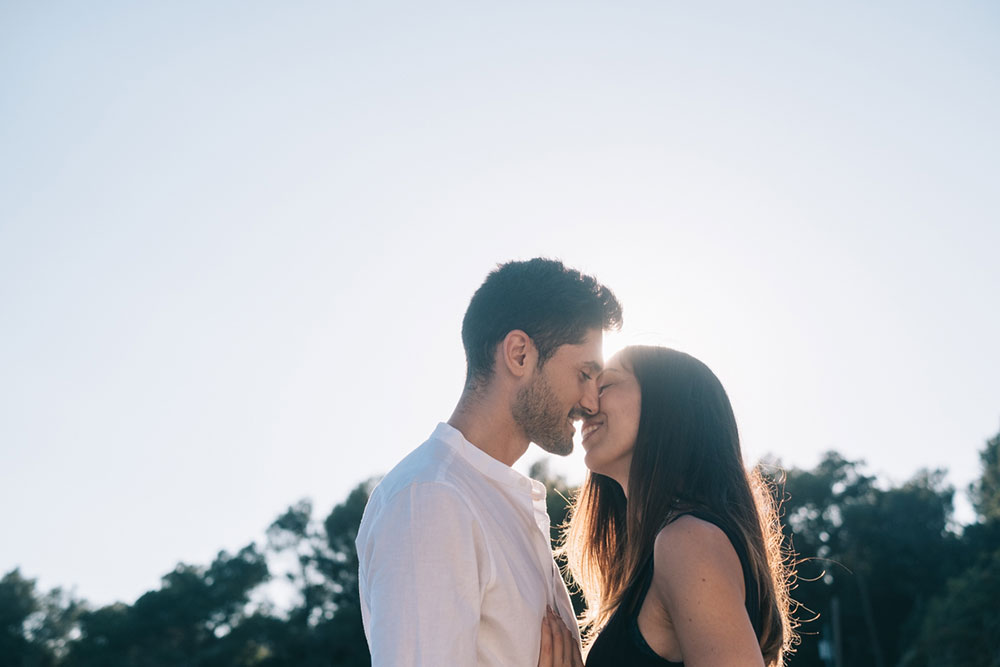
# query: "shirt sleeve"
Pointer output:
{"type": "Point", "coordinates": [423, 572]}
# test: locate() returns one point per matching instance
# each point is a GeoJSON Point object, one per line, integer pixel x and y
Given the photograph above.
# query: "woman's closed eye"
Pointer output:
{"type": "Point", "coordinates": [600, 389]}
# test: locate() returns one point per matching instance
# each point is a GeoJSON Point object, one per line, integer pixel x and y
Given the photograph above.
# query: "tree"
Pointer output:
{"type": "Point", "coordinates": [324, 627]}
{"type": "Point", "coordinates": [870, 559]}
{"type": "Point", "coordinates": [961, 625]}
{"type": "Point", "coordinates": [18, 602]}
{"type": "Point", "coordinates": [985, 492]}
{"type": "Point", "coordinates": [34, 627]}
{"type": "Point", "coordinates": [203, 616]}
{"type": "Point", "coordinates": [558, 498]}
{"type": "Point", "coordinates": [187, 621]}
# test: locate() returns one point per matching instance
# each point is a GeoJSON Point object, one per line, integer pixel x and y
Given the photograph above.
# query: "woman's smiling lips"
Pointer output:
{"type": "Point", "coordinates": [590, 426]}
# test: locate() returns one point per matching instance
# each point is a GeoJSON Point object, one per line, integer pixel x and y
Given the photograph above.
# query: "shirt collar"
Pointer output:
{"type": "Point", "coordinates": [486, 464]}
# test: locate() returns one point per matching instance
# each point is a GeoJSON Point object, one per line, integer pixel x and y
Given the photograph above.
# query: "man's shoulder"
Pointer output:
{"type": "Point", "coordinates": [432, 465]}
{"type": "Point", "coordinates": [433, 477]}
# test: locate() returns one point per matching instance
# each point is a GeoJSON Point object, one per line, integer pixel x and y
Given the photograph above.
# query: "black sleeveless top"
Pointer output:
{"type": "Point", "coordinates": [621, 642]}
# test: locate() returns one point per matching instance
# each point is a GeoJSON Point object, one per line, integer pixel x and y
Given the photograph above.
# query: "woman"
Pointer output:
{"type": "Point", "coordinates": [676, 548]}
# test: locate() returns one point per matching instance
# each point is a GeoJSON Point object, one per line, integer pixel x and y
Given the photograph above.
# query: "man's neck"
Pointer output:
{"type": "Point", "coordinates": [486, 422]}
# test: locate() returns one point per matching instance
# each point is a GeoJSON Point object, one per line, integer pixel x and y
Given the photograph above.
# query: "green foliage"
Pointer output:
{"type": "Point", "coordinates": [871, 558]}
{"type": "Point", "coordinates": [985, 492]}
{"type": "Point", "coordinates": [558, 496]}
{"type": "Point", "coordinates": [325, 627]}
{"type": "Point", "coordinates": [961, 627]}
{"type": "Point", "coordinates": [34, 628]}
{"type": "Point", "coordinates": [18, 602]}
{"type": "Point", "coordinates": [205, 616]}
{"type": "Point", "coordinates": [186, 621]}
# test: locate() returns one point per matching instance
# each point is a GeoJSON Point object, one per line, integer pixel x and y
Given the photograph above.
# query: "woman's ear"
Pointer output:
{"type": "Point", "coordinates": [518, 353]}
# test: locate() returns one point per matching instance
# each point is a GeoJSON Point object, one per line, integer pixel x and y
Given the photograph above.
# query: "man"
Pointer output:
{"type": "Point", "coordinates": [456, 567]}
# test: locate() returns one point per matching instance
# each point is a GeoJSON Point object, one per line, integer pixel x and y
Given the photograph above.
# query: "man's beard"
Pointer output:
{"type": "Point", "coordinates": [536, 410]}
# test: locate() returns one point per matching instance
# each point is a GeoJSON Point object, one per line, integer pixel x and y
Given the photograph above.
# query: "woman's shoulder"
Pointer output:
{"type": "Point", "coordinates": [691, 531]}
{"type": "Point", "coordinates": [690, 551]}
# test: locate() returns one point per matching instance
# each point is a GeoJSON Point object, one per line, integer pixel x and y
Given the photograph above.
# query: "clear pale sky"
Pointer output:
{"type": "Point", "coordinates": [237, 239]}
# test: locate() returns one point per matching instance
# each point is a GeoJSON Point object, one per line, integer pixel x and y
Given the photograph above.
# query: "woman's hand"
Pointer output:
{"type": "Point", "coordinates": [559, 646]}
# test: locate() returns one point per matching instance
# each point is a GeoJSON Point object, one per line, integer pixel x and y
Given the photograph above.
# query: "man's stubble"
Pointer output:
{"type": "Point", "coordinates": [536, 410]}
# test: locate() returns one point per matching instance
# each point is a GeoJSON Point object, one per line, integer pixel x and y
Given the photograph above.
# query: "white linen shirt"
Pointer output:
{"type": "Point", "coordinates": [455, 561]}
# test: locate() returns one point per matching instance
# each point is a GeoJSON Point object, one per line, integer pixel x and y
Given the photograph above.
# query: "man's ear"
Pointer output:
{"type": "Point", "coordinates": [518, 353]}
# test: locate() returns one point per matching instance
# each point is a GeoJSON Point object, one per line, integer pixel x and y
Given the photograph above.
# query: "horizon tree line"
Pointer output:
{"type": "Point", "coordinates": [885, 579]}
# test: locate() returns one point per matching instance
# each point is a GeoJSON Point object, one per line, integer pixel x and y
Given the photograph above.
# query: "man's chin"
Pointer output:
{"type": "Point", "coordinates": [557, 448]}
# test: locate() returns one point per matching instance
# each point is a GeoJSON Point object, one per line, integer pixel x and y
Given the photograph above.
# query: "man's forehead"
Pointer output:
{"type": "Point", "coordinates": [589, 352]}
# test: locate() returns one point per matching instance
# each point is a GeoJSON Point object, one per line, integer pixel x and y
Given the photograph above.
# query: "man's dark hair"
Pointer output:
{"type": "Point", "coordinates": [553, 304]}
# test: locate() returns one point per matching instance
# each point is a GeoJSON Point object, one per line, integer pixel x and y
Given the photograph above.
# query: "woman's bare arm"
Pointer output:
{"type": "Point", "coordinates": [698, 580]}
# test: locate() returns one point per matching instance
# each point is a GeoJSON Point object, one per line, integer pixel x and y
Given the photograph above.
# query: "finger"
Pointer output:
{"type": "Point", "coordinates": [569, 642]}
{"type": "Point", "coordinates": [545, 650]}
{"type": "Point", "coordinates": [559, 647]}
{"type": "Point", "coordinates": [575, 652]}
{"type": "Point", "coordinates": [571, 648]}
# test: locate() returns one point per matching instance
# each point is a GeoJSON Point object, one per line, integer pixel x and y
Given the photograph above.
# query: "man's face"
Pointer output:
{"type": "Point", "coordinates": [563, 390]}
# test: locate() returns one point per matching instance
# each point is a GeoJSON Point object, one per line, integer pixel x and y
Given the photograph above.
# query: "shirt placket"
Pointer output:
{"type": "Point", "coordinates": [558, 599]}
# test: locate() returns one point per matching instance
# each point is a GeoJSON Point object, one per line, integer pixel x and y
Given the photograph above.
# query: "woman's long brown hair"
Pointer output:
{"type": "Point", "coordinates": [686, 457]}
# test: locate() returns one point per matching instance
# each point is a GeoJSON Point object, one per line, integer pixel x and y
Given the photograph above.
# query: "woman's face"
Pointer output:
{"type": "Point", "coordinates": [609, 436]}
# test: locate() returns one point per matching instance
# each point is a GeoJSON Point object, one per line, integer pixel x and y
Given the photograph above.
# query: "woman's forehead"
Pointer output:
{"type": "Point", "coordinates": [619, 360]}
{"type": "Point", "coordinates": [614, 365]}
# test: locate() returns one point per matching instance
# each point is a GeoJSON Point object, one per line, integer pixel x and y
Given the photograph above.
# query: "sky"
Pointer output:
{"type": "Point", "coordinates": [237, 240]}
